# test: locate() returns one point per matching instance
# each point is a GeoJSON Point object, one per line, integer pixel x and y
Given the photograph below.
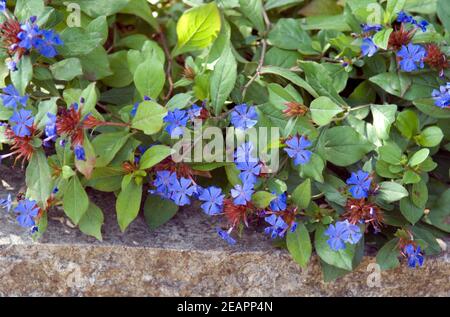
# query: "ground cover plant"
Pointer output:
{"type": "Point", "coordinates": [348, 100]}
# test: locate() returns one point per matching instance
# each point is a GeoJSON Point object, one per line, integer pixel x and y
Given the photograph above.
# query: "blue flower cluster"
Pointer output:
{"type": "Point", "coordinates": [411, 57]}
{"type": "Point", "coordinates": [415, 256]}
{"type": "Point", "coordinates": [341, 233]}
{"type": "Point", "coordinates": [359, 184]}
{"type": "Point", "coordinates": [44, 41]}
{"type": "Point", "coordinates": [244, 117]}
{"type": "Point", "coordinates": [297, 150]}
{"type": "Point", "coordinates": [368, 47]}
{"type": "Point", "coordinates": [22, 123]}
{"type": "Point", "coordinates": [442, 96]}
{"type": "Point", "coordinates": [169, 186]}
{"type": "Point", "coordinates": [403, 17]}
{"type": "Point", "coordinates": [27, 210]}
{"type": "Point", "coordinates": [177, 119]}
{"type": "Point", "coordinates": [11, 98]}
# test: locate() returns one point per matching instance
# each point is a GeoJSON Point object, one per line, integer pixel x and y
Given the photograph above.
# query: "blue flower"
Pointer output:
{"type": "Point", "coordinates": [29, 34]}
{"type": "Point", "coordinates": [244, 117]}
{"type": "Point", "coordinates": [341, 233]}
{"type": "Point", "coordinates": [354, 233]}
{"type": "Point", "coordinates": [415, 257]}
{"type": "Point", "coordinates": [278, 226]}
{"type": "Point", "coordinates": [80, 154]}
{"type": "Point", "coordinates": [2, 5]}
{"type": "Point", "coordinates": [368, 47]}
{"type": "Point", "coordinates": [193, 112]}
{"type": "Point", "coordinates": [11, 97]}
{"type": "Point", "coordinates": [24, 121]}
{"type": "Point", "coordinates": [163, 183]}
{"type": "Point", "coordinates": [422, 25]}
{"type": "Point", "coordinates": [242, 194]}
{"type": "Point", "coordinates": [338, 235]}
{"type": "Point", "coordinates": [296, 149]}
{"type": "Point", "coordinates": [279, 203]}
{"type": "Point", "coordinates": [50, 127]}
{"type": "Point", "coordinates": [6, 203]}
{"type": "Point", "coordinates": [182, 189]}
{"type": "Point", "coordinates": [45, 44]}
{"type": "Point", "coordinates": [213, 200]}
{"type": "Point", "coordinates": [177, 120]}
{"type": "Point", "coordinates": [371, 28]}
{"type": "Point", "coordinates": [27, 210]}
{"type": "Point", "coordinates": [402, 17]}
{"type": "Point", "coordinates": [360, 182]}
{"type": "Point", "coordinates": [249, 171]}
{"type": "Point", "coordinates": [11, 64]}
{"type": "Point", "coordinates": [225, 235]}
{"type": "Point", "coordinates": [411, 57]}
{"type": "Point", "coordinates": [442, 96]}
{"type": "Point", "coordinates": [244, 153]}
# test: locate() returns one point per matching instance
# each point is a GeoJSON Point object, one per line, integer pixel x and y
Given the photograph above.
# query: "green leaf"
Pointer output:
{"type": "Point", "coordinates": [301, 195]}
{"type": "Point", "coordinates": [90, 99]}
{"type": "Point", "coordinates": [314, 168]}
{"type": "Point", "coordinates": [78, 42]}
{"type": "Point", "coordinates": [149, 117]}
{"type": "Point", "coordinates": [383, 118]}
{"type": "Point", "coordinates": [443, 12]}
{"type": "Point", "coordinates": [342, 259]}
{"type": "Point", "coordinates": [122, 76]}
{"type": "Point", "coordinates": [387, 256]}
{"type": "Point", "coordinates": [158, 211]}
{"type": "Point", "coordinates": [381, 38]}
{"type": "Point", "coordinates": [101, 7]}
{"type": "Point", "coordinates": [128, 203]}
{"type": "Point", "coordinates": [38, 177]}
{"type": "Point", "coordinates": [262, 199]}
{"type": "Point", "coordinates": [106, 179]}
{"type": "Point", "coordinates": [24, 9]}
{"type": "Point", "coordinates": [67, 69]}
{"type": "Point", "coordinates": [393, 7]}
{"type": "Point", "coordinates": [141, 8]}
{"type": "Point", "coordinates": [75, 201]}
{"type": "Point", "coordinates": [319, 78]}
{"type": "Point", "coordinates": [419, 194]}
{"type": "Point", "coordinates": [45, 107]}
{"type": "Point", "coordinates": [223, 79]}
{"type": "Point", "coordinates": [430, 137]}
{"type": "Point", "coordinates": [291, 76]}
{"type": "Point", "coordinates": [299, 245]}
{"type": "Point", "coordinates": [154, 155]}
{"type": "Point", "coordinates": [390, 153]}
{"type": "Point", "coordinates": [419, 157]}
{"type": "Point", "coordinates": [150, 85]}
{"type": "Point", "coordinates": [197, 28]}
{"type": "Point", "coordinates": [21, 78]}
{"type": "Point", "coordinates": [343, 146]}
{"type": "Point", "coordinates": [96, 64]}
{"type": "Point", "coordinates": [407, 123]}
{"type": "Point", "coordinates": [253, 10]}
{"type": "Point", "coordinates": [391, 192]}
{"type": "Point", "coordinates": [107, 145]}
{"type": "Point", "coordinates": [92, 221]}
{"type": "Point", "coordinates": [410, 211]}
{"type": "Point", "coordinates": [439, 215]}
{"type": "Point", "coordinates": [288, 34]}
{"type": "Point", "coordinates": [323, 110]}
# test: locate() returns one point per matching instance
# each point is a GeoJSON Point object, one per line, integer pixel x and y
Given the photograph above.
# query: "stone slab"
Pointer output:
{"type": "Point", "coordinates": [182, 258]}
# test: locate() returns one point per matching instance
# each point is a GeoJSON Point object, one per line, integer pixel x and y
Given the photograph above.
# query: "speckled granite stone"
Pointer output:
{"type": "Point", "coordinates": [182, 258]}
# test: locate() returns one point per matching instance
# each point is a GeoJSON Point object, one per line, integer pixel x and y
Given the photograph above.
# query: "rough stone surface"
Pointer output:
{"type": "Point", "coordinates": [182, 258]}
